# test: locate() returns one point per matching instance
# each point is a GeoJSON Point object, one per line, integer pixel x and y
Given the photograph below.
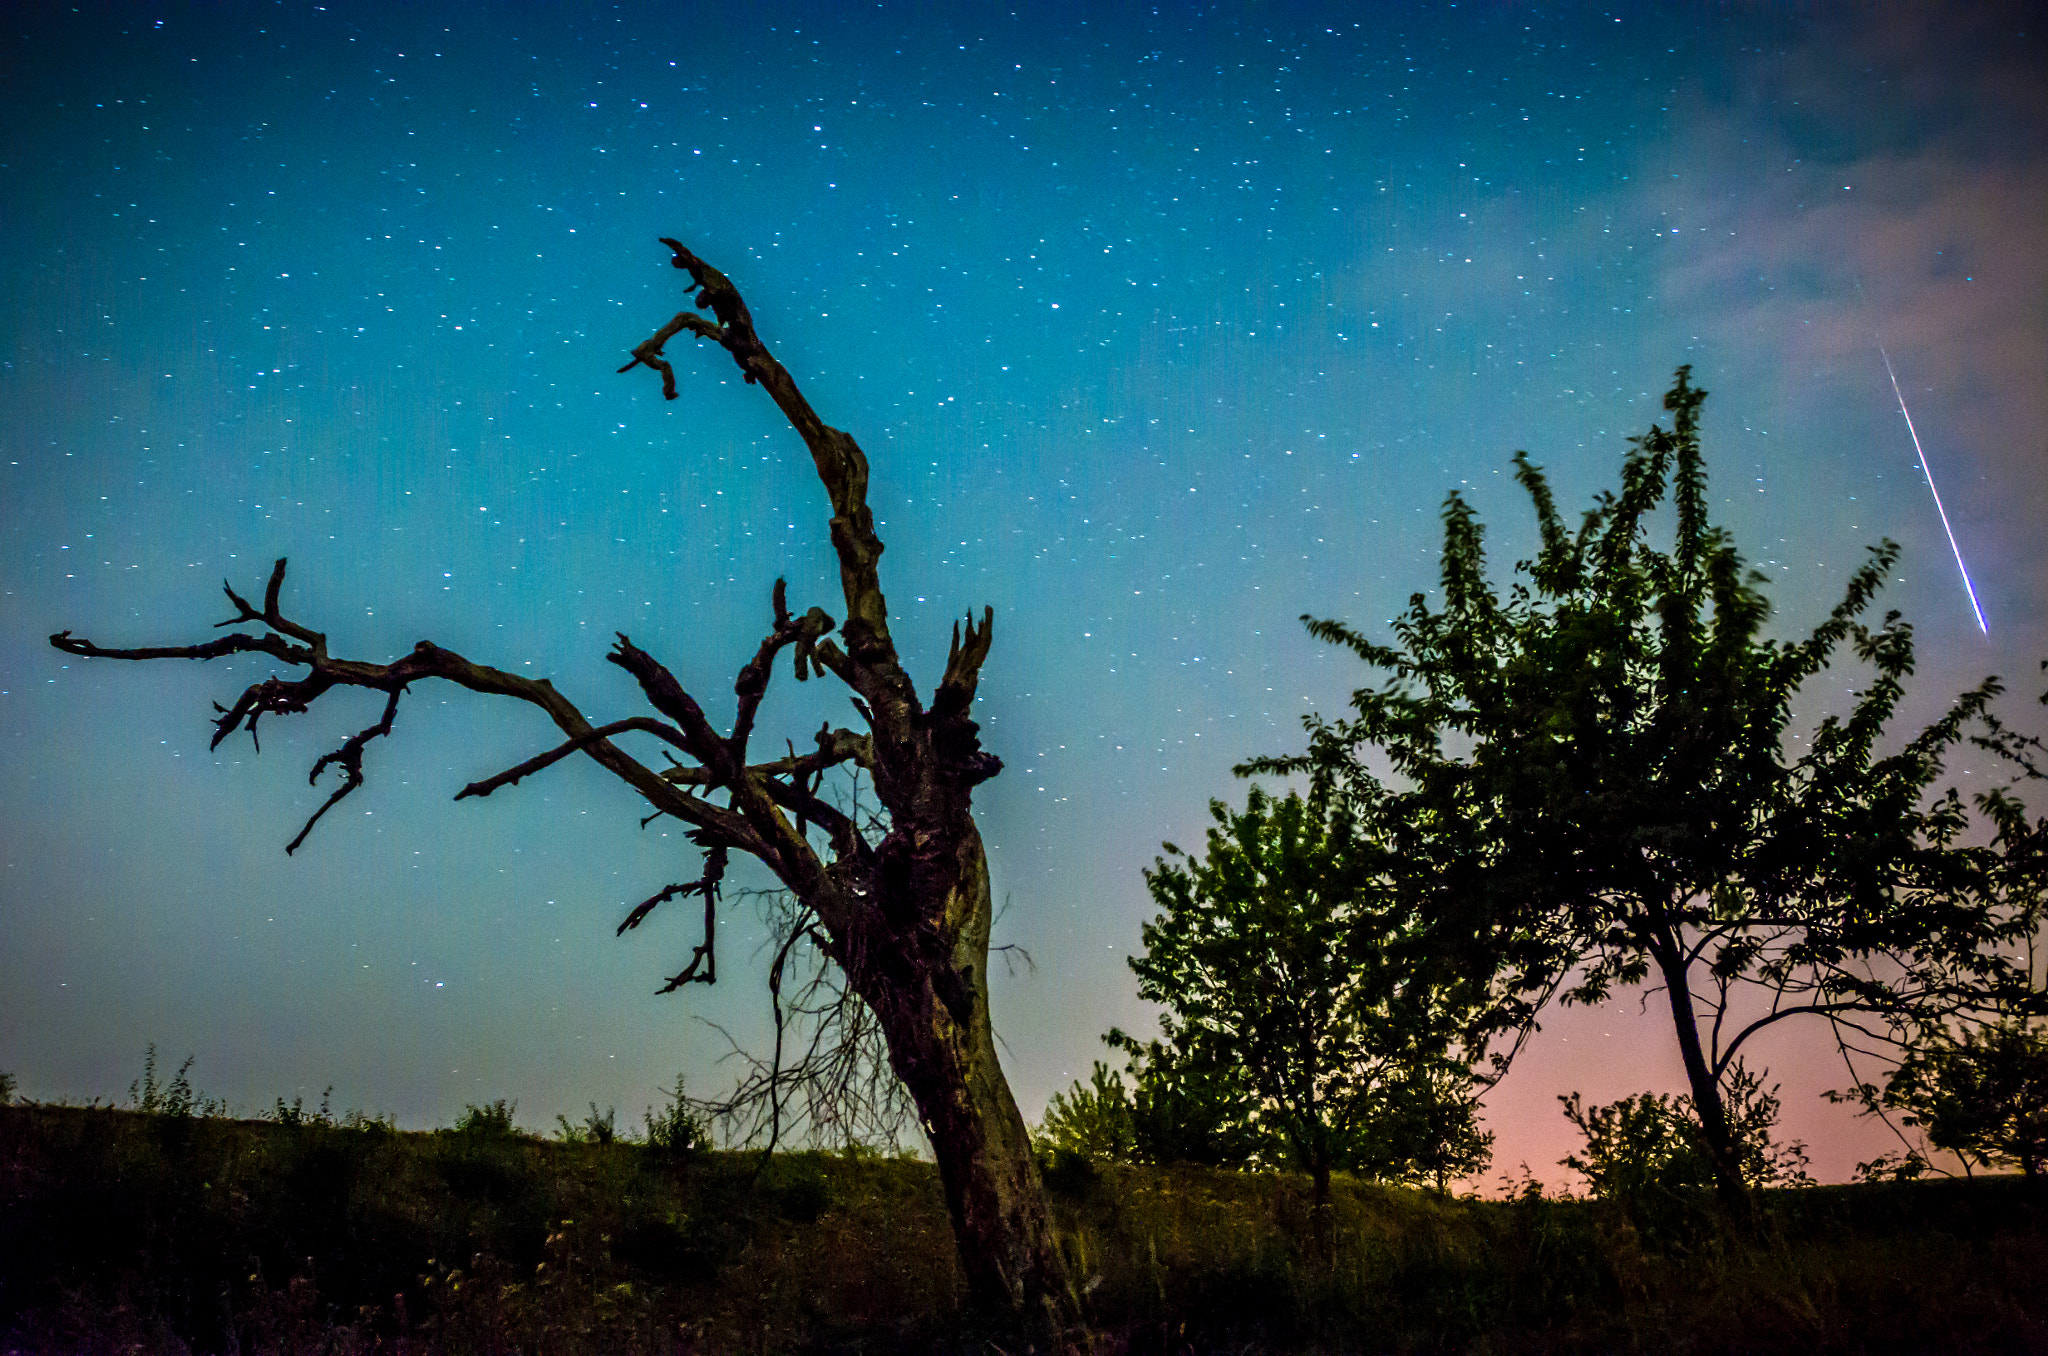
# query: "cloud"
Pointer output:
{"type": "Point", "coordinates": [1884, 180]}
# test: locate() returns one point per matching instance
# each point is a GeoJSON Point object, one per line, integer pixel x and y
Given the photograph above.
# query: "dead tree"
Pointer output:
{"type": "Point", "coordinates": [904, 912]}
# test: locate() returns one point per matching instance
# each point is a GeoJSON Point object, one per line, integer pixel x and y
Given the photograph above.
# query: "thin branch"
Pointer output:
{"type": "Point", "coordinates": [426, 660]}
{"type": "Point", "coordinates": [646, 724]}
{"type": "Point", "coordinates": [706, 953]}
{"type": "Point", "coordinates": [350, 758]}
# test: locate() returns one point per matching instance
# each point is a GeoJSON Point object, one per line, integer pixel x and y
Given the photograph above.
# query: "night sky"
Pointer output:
{"type": "Point", "coordinates": [1160, 328]}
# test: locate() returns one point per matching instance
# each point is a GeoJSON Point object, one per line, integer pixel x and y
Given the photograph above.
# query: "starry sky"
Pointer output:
{"type": "Point", "coordinates": [1159, 327]}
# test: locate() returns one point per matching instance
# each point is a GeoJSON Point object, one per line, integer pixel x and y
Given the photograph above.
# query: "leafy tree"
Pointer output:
{"type": "Point", "coordinates": [1982, 1095]}
{"type": "Point", "coordinates": [1283, 962]}
{"type": "Point", "coordinates": [1977, 1086]}
{"type": "Point", "coordinates": [1593, 782]}
{"type": "Point", "coordinates": [898, 900]}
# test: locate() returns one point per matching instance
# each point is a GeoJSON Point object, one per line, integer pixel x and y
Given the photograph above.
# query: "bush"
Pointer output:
{"type": "Point", "coordinates": [595, 1128]}
{"type": "Point", "coordinates": [1651, 1142]}
{"type": "Point", "coordinates": [6, 1088]}
{"type": "Point", "coordinates": [1092, 1122]}
{"type": "Point", "coordinates": [1637, 1145]}
{"type": "Point", "coordinates": [296, 1114]}
{"type": "Point", "coordinates": [493, 1121]}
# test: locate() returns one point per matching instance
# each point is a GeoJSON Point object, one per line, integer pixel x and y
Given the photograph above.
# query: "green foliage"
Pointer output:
{"type": "Point", "coordinates": [1982, 1095]}
{"type": "Point", "coordinates": [1185, 1110]}
{"type": "Point", "coordinates": [1651, 1144]}
{"type": "Point", "coordinates": [677, 1128]}
{"type": "Point", "coordinates": [1638, 1145]}
{"type": "Point", "coordinates": [1300, 1025]}
{"type": "Point", "coordinates": [595, 1128]}
{"type": "Point", "coordinates": [1092, 1121]}
{"type": "Point", "coordinates": [493, 1120]}
{"type": "Point", "coordinates": [1593, 783]}
{"type": "Point", "coordinates": [177, 1099]}
{"type": "Point", "coordinates": [296, 1114]}
{"type": "Point", "coordinates": [6, 1088]}
{"type": "Point", "coordinates": [1174, 1112]}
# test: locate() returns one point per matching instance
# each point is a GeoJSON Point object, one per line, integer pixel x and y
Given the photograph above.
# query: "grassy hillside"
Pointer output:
{"type": "Point", "coordinates": [124, 1231]}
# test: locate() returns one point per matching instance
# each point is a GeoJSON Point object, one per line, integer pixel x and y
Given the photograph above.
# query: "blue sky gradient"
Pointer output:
{"type": "Point", "coordinates": [1159, 328]}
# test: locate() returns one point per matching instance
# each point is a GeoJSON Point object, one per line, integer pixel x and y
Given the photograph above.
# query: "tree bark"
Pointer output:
{"type": "Point", "coordinates": [934, 1009]}
{"type": "Point", "coordinates": [1722, 1150]}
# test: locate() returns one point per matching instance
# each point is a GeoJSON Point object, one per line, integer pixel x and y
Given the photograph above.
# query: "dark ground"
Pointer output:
{"type": "Point", "coordinates": [127, 1232]}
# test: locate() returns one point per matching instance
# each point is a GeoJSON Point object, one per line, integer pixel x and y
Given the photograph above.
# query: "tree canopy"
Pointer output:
{"type": "Point", "coordinates": [1301, 1023]}
{"type": "Point", "coordinates": [1981, 1093]}
{"type": "Point", "coordinates": [1597, 781]}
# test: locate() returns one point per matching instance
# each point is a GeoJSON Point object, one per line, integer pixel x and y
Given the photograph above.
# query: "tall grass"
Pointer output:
{"type": "Point", "coordinates": [126, 1229]}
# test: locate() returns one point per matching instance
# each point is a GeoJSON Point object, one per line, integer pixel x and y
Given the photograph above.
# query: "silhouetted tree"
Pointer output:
{"type": "Point", "coordinates": [904, 912]}
{"type": "Point", "coordinates": [1595, 786]}
{"type": "Point", "coordinates": [1981, 1094]}
{"type": "Point", "coordinates": [1295, 1000]}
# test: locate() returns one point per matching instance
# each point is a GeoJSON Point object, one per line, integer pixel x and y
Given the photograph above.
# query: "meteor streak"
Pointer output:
{"type": "Point", "coordinates": [1961, 568]}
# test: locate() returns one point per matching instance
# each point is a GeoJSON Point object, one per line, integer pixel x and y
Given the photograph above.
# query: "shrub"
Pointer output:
{"type": "Point", "coordinates": [594, 1129]}
{"type": "Point", "coordinates": [492, 1121]}
{"type": "Point", "coordinates": [1093, 1121]}
{"type": "Point", "coordinates": [296, 1114]}
{"type": "Point", "coordinates": [1652, 1142]}
{"type": "Point", "coordinates": [1639, 1144]}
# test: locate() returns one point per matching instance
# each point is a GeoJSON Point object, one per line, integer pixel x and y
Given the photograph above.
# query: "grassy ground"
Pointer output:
{"type": "Point", "coordinates": [121, 1231]}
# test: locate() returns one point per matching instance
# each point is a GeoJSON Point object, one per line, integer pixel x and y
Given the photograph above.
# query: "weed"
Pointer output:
{"type": "Point", "coordinates": [676, 1129]}
{"type": "Point", "coordinates": [296, 1114]}
{"type": "Point", "coordinates": [176, 1099]}
{"type": "Point", "coordinates": [594, 1129]}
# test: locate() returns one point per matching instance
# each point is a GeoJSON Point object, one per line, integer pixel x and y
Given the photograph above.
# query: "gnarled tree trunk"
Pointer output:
{"type": "Point", "coordinates": [934, 1009]}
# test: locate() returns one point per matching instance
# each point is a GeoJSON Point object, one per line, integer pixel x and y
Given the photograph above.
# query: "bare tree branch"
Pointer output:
{"type": "Point", "coordinates": [581, 742]}
{"type": "Point", "coordinates": [350, 758]}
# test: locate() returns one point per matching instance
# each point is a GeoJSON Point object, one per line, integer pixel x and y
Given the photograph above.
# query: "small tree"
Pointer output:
{"type": "Point", "coordinates": [1982, 1095]}
{"type": "Point", "coordinates": [1284, 962]}
{"type": "Point", "coordinates": [1594, 783]}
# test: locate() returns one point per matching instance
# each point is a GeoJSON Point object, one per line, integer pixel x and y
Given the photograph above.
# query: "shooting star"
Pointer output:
{"type": "Point", "coordinates": [1961, 568]}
